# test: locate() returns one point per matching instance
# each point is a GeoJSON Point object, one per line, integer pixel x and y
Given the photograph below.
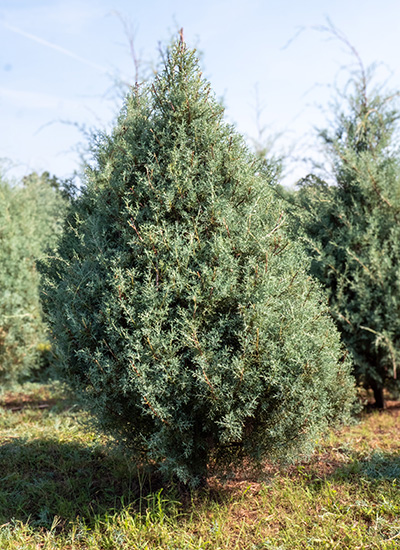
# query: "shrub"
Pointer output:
{"type": "Point", "coordinates": [353, 232]}
{"type": "Point", "coordinates": [183, 314]}
{"type": "Point", "coordinates": [29, 221]}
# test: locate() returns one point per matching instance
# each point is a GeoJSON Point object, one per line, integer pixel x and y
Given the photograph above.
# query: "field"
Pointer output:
{"type": "Point", "coordinates": [64, 487]}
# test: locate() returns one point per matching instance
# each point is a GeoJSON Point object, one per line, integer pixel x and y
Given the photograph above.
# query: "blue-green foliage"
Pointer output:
{"type": "Point", "coordinates": [183, 314]}
{"type": "Point", "coordinates": [29, 222]}
{"type": "Point", "coordinates": [353, 230]}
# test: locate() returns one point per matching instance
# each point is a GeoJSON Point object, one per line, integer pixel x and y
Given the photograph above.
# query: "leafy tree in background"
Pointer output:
{"type": "Point", "coordinates": [353, 229]}
{"type": "Point", "coordinates": [183, 314]}
{"type": "Point", "coordinates": [30, 220]}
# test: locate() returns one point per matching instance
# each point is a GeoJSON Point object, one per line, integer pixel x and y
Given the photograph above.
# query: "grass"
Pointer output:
{"type": "Point", "coordinates": [62, 487]}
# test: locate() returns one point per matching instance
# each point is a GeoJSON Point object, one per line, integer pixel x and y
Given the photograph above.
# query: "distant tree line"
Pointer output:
{"type": "Point", "coordinates": [31, 218]}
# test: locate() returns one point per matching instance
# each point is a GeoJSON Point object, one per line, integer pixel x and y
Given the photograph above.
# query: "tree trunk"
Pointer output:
{"type": "Point", "coordinates": [378, 394]}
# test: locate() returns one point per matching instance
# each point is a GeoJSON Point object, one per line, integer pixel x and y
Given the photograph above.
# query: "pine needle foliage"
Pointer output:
{"type": "Point", "coordinates": [353, 229]}
{"type": "Point", "coordinates": [183, 314]}
{"type": "Point", "coordinates": [30, 220]}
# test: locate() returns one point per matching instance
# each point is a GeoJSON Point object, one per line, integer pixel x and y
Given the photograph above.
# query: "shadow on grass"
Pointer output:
{"type": "Point", "coordinates": [37, 396]}
{"type": "Point", "coordinates": [379, 466]}
{"type": "Point", "coordinates": [379, 469]}
{"type": "Point", "coordinates": [44, 478]}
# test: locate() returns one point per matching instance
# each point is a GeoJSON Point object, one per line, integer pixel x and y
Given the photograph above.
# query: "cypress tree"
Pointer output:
{"type": "Point", "coordinates": [353, 231]}
{"type": "Point", "coordinates": [184, 315]}
{"type": "Point", "coordinates": [30, 219]}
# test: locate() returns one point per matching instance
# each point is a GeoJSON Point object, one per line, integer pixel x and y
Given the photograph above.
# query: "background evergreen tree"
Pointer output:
{"type": "Point", "coordinates": [30, 220]}
{"type": "Point", "coordinates": [183, 314]}
{"type": "Point", "coordinates": [353, 229]}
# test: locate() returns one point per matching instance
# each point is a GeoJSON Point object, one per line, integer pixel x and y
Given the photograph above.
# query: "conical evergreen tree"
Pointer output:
{"type": "Point", "coordinates": [30, 220]}
{"type": "Point", "coordinates": [183, 313]}
{"type": "Point", "coordinates": [353, 232]}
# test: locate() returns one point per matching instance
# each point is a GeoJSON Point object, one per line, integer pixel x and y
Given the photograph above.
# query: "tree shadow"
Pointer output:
{"type": "Point", "coordinates": [37, 396]}
{"type": "Point", "coordinates": [44, 478]}
{"type": "Point", "coordinates": [378, 466]}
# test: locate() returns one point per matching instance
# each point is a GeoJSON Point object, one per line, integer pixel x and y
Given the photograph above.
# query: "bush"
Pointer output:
{"type": "Point", "coordinates": [353, 232]}
{"type": "Point", "coordinates": [183, 314]}
{"type": "Point", "coordinates": [29, 221]}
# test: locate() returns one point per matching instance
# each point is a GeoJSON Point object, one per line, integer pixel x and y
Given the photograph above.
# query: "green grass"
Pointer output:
{"type": "Point", "coordinates": [63, 487]}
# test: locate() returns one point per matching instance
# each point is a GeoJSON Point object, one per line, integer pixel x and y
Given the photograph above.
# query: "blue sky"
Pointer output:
{"type": "Point", "coordinates": [60, 60]}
